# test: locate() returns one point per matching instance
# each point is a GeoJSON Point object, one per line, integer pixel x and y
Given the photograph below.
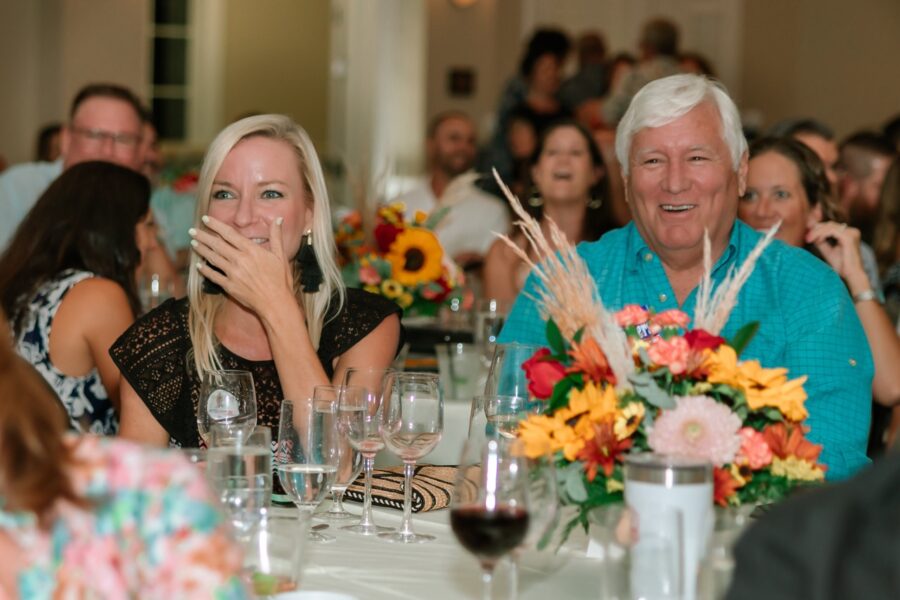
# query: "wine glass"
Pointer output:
{"type": "Point", "coordinates": [504, 413]}
{"type": "Point", "coordinates": [227, 398]}
{"type": "Point", "coordinates": [411, 425]}
{"type": "Point", "coordinates": [360, 418]}
{"type": "Point", "coordinates": [505, 375]}
{"type": "Point", "coordinates": [350, 463]}
{"type": "Point", "coordinates": [489, 511]}
{"type": "Point", "coordinates": [307, 456]}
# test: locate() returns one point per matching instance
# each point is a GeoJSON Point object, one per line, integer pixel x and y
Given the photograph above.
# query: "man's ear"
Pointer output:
{"type": "Point", "coordinates": [743, 169]}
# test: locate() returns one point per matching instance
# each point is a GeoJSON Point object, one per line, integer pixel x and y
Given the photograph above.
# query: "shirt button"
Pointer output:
{"type": "Point", "coordinates": [852, 362]}
{"type": "Point", "coordinates": [663, 297]}
{"type": "Point", "coordinates": [648, 257]}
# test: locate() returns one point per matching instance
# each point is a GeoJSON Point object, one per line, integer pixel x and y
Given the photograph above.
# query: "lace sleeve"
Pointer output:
{"type": "Point", "coordinates": [361, 313]}
{"type": "Point", "coordinates": [151, 356]}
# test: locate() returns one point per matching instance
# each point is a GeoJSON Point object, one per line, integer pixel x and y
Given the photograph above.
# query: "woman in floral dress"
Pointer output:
{"type": "Point", "coordinates": [90, 517]}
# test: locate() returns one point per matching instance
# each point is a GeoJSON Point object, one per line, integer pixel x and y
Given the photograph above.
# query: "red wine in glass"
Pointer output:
{"type": "Point", "coordinates": [489, 534]}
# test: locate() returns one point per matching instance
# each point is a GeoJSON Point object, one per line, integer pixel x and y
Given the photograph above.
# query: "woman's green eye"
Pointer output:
{"type": "Point", "coordinates": [222, 195]}
{"type": "Point", "coordinates": [272, 194]}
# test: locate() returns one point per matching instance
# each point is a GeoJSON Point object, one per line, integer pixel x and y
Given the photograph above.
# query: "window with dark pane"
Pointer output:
{"type": "Point", "coordinates": [169, 117]}
{"type": "Point", "coordinates": [169, 61]}
{"type": "Point", "coordinates": [170, 12]}
{"type": "Point", "coordinates": [169, 76]}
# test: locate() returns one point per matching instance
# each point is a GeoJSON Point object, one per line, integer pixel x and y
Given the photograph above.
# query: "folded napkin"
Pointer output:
{"type": "Point", "coordinates": [431, 487]}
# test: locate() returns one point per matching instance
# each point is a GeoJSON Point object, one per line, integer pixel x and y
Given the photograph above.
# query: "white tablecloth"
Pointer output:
{"type": "Point", "coordinates": [371, 569]}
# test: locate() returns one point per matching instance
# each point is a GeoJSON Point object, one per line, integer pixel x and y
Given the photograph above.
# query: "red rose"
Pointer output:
{"type": "Point", "coordinates": [542, 374]}
{"type": "Point", "coordinates": [699, 339]}
{"type": "Point", "coordinates": [385, 234]}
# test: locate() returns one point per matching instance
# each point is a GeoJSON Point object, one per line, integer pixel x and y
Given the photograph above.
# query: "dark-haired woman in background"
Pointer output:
{"type": "Point", "coordinates": [570, 185]}
{"type": "Point", "coordinates": [67, 281]}
{"type": "Point", "coordinates": [787, 182]}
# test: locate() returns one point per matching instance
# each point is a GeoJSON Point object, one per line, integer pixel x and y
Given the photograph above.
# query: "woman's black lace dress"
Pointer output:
{"type": "Point", "coordinates": [154, 356]}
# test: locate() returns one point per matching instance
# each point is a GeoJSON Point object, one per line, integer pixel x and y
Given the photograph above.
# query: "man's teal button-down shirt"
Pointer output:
{"type": "Point", "coordinates": [807, 324]}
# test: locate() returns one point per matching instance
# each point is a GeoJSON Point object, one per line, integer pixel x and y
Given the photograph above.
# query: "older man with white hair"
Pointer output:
{"type": "Point", "coordinates": [684, 162]}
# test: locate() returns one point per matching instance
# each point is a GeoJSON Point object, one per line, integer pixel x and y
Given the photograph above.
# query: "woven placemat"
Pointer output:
{"type": "Point", "coordinates": [431, 488]}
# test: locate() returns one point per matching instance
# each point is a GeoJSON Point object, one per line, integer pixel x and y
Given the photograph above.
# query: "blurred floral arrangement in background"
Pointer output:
{"type": "Point", "coordinates": [404, 260]}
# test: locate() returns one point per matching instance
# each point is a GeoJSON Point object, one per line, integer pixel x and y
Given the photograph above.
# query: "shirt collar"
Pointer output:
{"type": "Point", "coordinates": [638, 249]}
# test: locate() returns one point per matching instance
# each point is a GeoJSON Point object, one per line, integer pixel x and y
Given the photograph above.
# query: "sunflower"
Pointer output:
{"type": "Point", "coordinates": [415, 256]}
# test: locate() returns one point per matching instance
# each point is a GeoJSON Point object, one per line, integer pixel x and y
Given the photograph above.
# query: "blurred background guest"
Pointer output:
{"type": "Point", "coordinates": [591, 80]}
{"type": "Point", "coordinates": [886, 239]}
{"type": "Point", "coordinates": [67, 281]}
{"type": "Point", "coordinates": [818, 137]}
{"type": "Point", "coordinates": [570, 188]}
{"type": "Point", "coordinates": [658, 58]}
{"type": "Point", "coordinates": [786, 182]}
{"type": "Point", "coordinates": [551, 43]}
{"type": "Point", "coordinates": [104, 124]}
{"type": "Point", "coordinates": [85, 517]}
{"type": "Point", "coordinates": [48, 145]}
{"type": "Point", "coordinates": [471, 214]}
{"type": "Point", "coordinates": [864, 159]}
{"type": "Point", "coordinates": [696, 63]}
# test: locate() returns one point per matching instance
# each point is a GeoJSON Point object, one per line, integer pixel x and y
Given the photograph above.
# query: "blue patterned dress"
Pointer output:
{"type": "Point", "coordinates": [84, 397]}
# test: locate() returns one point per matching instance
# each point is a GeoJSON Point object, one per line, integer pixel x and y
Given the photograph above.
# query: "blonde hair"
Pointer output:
{"type": "Point", "coordinates": [316, 306]}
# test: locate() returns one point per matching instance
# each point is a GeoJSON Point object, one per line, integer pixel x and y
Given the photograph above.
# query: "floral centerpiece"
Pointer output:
{"type": "Point", "coordinates": [406, 262]}
{"type": "Point", "coordinates": [634, 381]}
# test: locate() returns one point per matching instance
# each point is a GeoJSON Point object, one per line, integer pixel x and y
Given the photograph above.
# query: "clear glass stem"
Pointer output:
{"type": "Point", "coordinates": [487, 581]}
{"type": "Point", "coordinates": [337, 501]}
{"type": "Point", "coordinates": [406, 527]}
{"type": "Point", "coordinates": [366, 519]}
{"type": "Point", "coordinates": [514, 574]}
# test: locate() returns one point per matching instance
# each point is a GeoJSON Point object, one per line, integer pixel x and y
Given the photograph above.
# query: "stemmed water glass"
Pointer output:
{"type": "Point", "coordinates": [490, 505]}
{"type": "Point", "coordinates": [360, 419]}
{"type": "Point", "coordinates": [227, 399]}
{"type": "Point", "coordinates": [505, 375]}
{"type": "Point", "coordinates": [350, 462]}
{"type": "Point", "coordinates": [307, 456]}
{"type": "Point", "coordinates": [411, 425]}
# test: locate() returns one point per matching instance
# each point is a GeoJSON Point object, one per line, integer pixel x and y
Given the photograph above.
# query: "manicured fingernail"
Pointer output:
{"type": "Point", "coordinates": [199, 265]}
{"type": "Point", "coordinates": [205, 219]}
{"type": "Point", "coordinates": [192, 232]}
{"type": "Point", "coordinates": [279, 220]}
{"type": "Point", "coordinates": [194, 243]}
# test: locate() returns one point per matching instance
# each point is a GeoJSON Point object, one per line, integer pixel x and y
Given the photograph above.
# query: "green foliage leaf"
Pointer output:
{"type": "Point", "coordinates": [578, 335]}
{"type": "Point", "coordinates": [574, 483]}
{"type": "Point", "coordinates": [773, 414]}
{"type": "Point", "coordinates": [555, 338]}
{"type": "Point", "coordinates": [435, 217]}
{"type": "Point", "coordinates": [743, 337]}
{"type": "Point", "coordinates": [645, 385]}
{"type": "Point", "coordinates": [560, 396]}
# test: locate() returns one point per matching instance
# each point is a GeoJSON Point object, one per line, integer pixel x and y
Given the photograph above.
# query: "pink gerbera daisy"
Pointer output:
{"type": "Point", "coordinates": [698, 427]}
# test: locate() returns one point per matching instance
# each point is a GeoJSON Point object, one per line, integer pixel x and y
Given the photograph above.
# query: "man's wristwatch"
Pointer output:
{"type": "Point", "coordinates": [864, 295]}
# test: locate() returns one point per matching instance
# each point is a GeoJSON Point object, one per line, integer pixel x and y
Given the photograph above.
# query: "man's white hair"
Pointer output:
{"type": "Point", "coordinates": [664, 100]}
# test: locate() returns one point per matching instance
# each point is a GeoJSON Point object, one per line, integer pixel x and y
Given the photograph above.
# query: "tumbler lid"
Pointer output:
{"type": "Point", "coordinates": [666, 469]}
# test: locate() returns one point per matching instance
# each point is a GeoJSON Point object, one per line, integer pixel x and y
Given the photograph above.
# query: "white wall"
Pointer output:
{"type": "Point", "coordinates": [830, 59]}
{"type": "Point", "coordinates": [51, 48]}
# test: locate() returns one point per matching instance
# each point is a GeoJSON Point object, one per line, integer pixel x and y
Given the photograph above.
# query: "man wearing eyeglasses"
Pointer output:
{"type": "Point", "coordinates": [105, 124]}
